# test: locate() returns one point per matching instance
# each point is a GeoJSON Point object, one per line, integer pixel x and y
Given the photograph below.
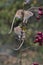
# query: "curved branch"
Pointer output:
{"type": "Point", "coordinates": [19, 46]}
{"type": "Point", "coordinates": [11, 26]}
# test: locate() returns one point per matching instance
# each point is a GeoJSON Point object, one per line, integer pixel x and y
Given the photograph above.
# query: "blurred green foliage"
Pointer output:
{"type": "Point", "coordinates": [8, 9]}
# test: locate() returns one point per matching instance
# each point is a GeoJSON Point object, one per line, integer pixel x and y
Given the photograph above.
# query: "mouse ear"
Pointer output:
{"type": "Point", "coordinates": [30, 13]}
{"type": "Point", "coordinates": [27, 15]}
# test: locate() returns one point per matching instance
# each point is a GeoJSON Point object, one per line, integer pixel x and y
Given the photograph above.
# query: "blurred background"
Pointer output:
{"type": "Point", "coordinates": [8, 9]}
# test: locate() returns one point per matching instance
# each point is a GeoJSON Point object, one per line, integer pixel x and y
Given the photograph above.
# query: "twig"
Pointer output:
{"type": "Point", "coordinates": [34, 8]}
{"type": "Point", "coordinates": [19, 46]}
{"type": "Point", "coordinates": [11, 26]}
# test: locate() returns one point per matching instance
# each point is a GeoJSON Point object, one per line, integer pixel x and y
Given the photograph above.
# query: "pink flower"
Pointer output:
{"type": "Point", "coordinates": [36, 40]}
{"type": "Point", "coordinates": [39, 33]}
{"type": "Point", "coordinates": [42, 36]}
{"type": "Point", "coordinates": [40, 12]}
{"type": "Point", "coordinates": [36, 36]}
{"type": "Point", "coordinates": [38, 17]}
{"type": "Point", "coordinates": [40, 9]}
{"type": "Point", "coordinates": [39, 38]}
{"type": "Point", "coordinates": [35, 63]}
